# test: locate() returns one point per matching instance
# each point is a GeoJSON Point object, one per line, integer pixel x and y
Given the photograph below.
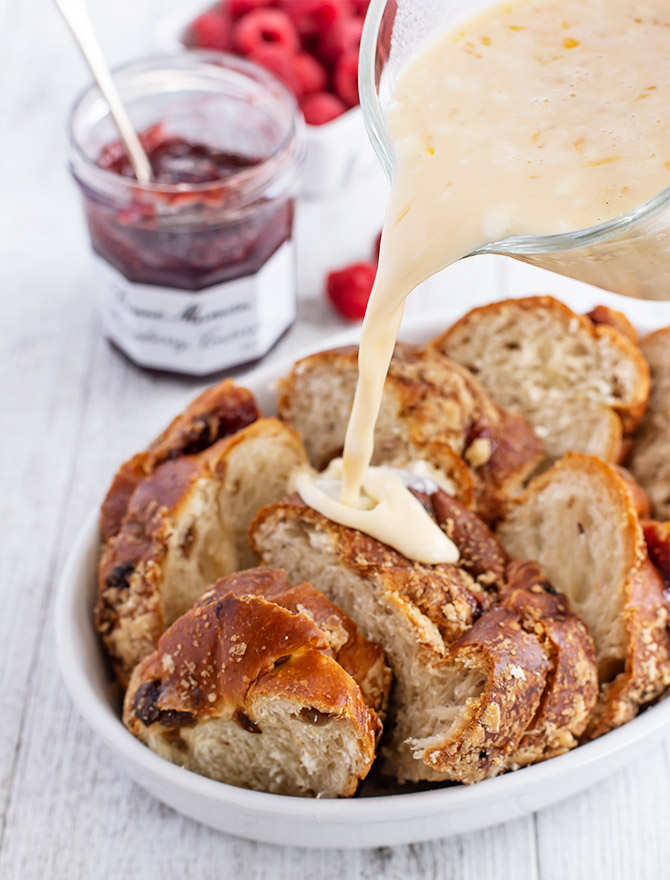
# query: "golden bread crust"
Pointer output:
{"type": "Point", "coordinates": [131, 611]}
{"type": "Point", "coordinates": [516, 672]}
{"type": "Point", "coordinates": [219, 411]}
{"type": "Point", "coordinates": [650, 456]}
{"type": "Point", "coordinates": [612, 318]}
{"type": "Point", "coordinates": [537, 710]}
{"type": "Point", "coordinates": [571, 689]}
{"type": "Point", "coordinates": [450, 597]}
{"type": "Point", "coordinates": [361, 658]}
{"type": "Point", "coordinates": [238, 648]}
{"type": "Point", "coordinates": [642, 672]}
{"type": "Point", "coordinates": [428, 400]}
{"type": "Point", "coordinates": [602, 326]}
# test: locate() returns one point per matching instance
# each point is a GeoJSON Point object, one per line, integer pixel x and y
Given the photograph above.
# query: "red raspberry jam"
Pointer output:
{"type": "Point", "coordinates": [196, 269]}
{"type": "Point", "coordinates": [189, 257]}
{"type": "Point", "coordinates": [176, 159]}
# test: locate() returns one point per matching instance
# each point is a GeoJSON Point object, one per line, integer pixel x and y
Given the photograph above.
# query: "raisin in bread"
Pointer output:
{"type": "Point", "coordinates": [657, 537]}
{"type": "Point", "coordinates": [580, 384]}
{"type": "Point", "coordinates": [185, 525]}
{"type": "Point", "coordinates": [265, 686]}
{"type": "Point", "coordinates": [578, 521]}
{"type": "Point", "coordinates": [432, 409]}
{"type": "Point", "coordinates": [471, 676]}
{"type": "Point", "coordinates": [219, 411]}
{"type": "Point", "coordinates": [650, 459]}
{"type": "Point", "coordinates": [612, 318]}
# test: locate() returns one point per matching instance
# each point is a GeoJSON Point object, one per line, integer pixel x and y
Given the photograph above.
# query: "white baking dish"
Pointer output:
{"type": "Point", "coordinates": [359, 822]}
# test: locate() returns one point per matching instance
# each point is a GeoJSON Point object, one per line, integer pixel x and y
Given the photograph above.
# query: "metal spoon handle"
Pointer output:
{"type": "Point", "coordinates": [76, 15]}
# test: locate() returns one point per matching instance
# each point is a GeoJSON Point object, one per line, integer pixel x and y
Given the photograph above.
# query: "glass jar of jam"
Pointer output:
{"type": "Point", "coordinates": [196, 270]}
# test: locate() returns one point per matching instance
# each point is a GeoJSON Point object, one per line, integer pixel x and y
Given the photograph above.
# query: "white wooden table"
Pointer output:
{"type": "Point", "coordinates": [71, 410]}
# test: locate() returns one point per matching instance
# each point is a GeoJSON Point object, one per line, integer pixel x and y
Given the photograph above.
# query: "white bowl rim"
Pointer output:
{"type": "Point", "coordinates": [366, 810]}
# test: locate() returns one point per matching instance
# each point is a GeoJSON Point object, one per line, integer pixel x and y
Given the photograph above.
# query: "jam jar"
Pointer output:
{"type": "Point", "coordinates": [195, 270]}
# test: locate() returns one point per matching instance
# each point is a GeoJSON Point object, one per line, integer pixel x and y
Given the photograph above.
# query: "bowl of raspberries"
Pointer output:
{"type": "Point", "coordinates": [312, 47]}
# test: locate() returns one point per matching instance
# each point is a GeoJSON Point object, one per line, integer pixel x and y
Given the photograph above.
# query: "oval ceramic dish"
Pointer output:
{"type": "Point", "coordinates": [391, 819]}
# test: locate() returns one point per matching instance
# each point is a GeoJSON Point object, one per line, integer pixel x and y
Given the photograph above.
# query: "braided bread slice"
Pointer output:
{"type": "Point", "coordinates": [471, 677]}
{"type": "Point", "coordinates": [432, 409]}
{"type": "Point", "coordinates": [265, 686]}
{"type": "Point", "coordinates": [185, 526]}
{"type": "Point", "coordinates": [578, 521]}
{"type": "Point", "coordinates": [580, 384]}
{"type": "Point", "coordinates": [650, 461]}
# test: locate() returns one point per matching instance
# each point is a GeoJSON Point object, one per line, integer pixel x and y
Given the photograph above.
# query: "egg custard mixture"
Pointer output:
{"type": "Point", "coordinates": [532, 117]}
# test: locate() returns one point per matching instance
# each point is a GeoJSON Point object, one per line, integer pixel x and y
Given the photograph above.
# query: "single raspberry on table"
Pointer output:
{"type": "Point", "coordinates": [238, 8]}
{"type": "Point", "coordinates": [321, 107]}
{"type": "Point", "coordinates": [211, 30]}
{"type": "Point", "coordinates": [265, 27]}
{"type": "Point", "coordinates": [311, 74]}
{"type": "Point", "coordinates": [346, 77]}
{"type": "Point", "coordinates": [314, 17]}
{"type": "Point", "coordinates": [280, 62]}
{"type": "Point", "coordinates": [342, 37]}
{"type": "Point", "coordinates": [349, 289]}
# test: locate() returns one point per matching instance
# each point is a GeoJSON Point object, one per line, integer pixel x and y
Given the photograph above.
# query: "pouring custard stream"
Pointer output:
{"type": "Point", "coordinates": [534, 117]}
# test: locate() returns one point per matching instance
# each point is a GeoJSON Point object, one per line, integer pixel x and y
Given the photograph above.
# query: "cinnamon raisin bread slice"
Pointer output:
{"type": "Point", "coordinates": [265, 686]}
{"type": "Point", "coordinates": [578, 521]}
{"type": "Point", "coordinates": [579, 384]}
{"type": "Point", "coordinates": [470, 676]}
{"type": "Point", "coordinates": [185, 526]}
{"type": "Point", "coordinates": [428, 402]}
{"type": "Point", "coordinates": [219, 411]}
{"type": "Point", "coordinates": [650, 460]}
{"type": "Point", "coordinates": [571, 691]}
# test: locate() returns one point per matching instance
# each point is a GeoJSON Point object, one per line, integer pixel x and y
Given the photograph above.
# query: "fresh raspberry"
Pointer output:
{"type": "Point", "coordinates": [211, 30]}
{"type": "Point", "coordinates": [314, 17]}
{"type": "Point", "coordinates": [278, 61]}
{"type": "Point", "coordinates": [349, 289]}
{"type": "Point", "coordinates": [238, 8]}
{"type": "Point", "coordinates": [344, 35]}
{"type": "Point", "coordinates": [321, 107]}
{"type": "Point", "coordinates": [265, 27]}
{"type": "Point", "coordinates": [311, 75]}
{"type": "Point", "coordinates": [346, 78]}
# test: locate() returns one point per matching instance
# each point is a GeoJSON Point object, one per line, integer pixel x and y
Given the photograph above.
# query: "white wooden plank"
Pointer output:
{"type": "Point", "coordinates": [616, 830]}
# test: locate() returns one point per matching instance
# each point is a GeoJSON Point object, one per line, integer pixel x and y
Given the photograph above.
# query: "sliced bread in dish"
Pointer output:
{"type": "Point", "coordinates": [471, 676]}
{"type": "Point", "coordinates": [581, 385]}
{"type": "Point", "coordinates": [184, 527]}
{"type": "Point", "coordinates": [265, 686]}
{"type": "Point", "coordinates": [578, 521]}
{"type": "Point", "coordinates": [650, 458]}
{"type": "Point", "coordinates": [428, 402]}
{"type": "Point", "coordinates": [219, 411]}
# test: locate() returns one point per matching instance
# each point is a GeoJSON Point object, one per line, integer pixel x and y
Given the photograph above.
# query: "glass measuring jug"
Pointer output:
{"type": "Point", "coordinates": [629, 254]}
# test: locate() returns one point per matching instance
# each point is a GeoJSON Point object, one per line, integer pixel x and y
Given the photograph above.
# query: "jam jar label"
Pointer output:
{"type": "Point", "coordinates": [204, 331]}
